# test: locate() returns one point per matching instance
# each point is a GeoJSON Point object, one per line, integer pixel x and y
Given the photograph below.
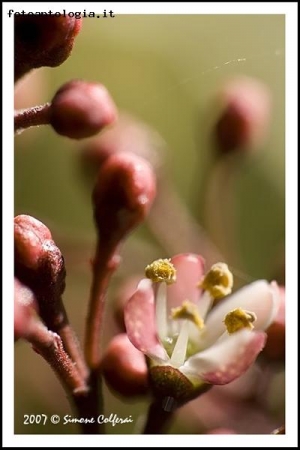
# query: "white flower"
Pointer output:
{"type": "Point", "coordinates": [175, 324]}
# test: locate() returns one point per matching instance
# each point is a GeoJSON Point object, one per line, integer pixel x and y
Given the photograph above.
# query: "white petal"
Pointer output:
{"type": "Point", "coordinates": [259, 297]}
{"type": "Point", "coordinates": [227, 360]}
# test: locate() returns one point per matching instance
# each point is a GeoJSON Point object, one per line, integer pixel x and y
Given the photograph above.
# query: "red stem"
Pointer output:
{"type": "Point", "coordinates": [72, 347]}
{"type": "Point", "coordinates": [32, 117]}
{"type": "Point", "coordinates": [105, 263]}
{"type": "Point", "coordinates": [50, 347]}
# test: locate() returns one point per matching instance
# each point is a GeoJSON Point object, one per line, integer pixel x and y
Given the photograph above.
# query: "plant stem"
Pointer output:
{"type": "Point", "coordinates": [105, 263]}
{"type": "Point", "coordinates": [49, 346]}
{"type": "Point", "coordinates": [55, 317]}
{"type": "Point", "coordinates": [160, 414]}
{"type": "Point", "coordinates": [221, 208]}
{"type": "Point", "coordinates": [82, 395]}
{"type": "Point", "coordinates": [32, 117]}
{"type": "Point", "coordinates": [72, 347]}
{"type": "Point", "coordinates": [90, 405]}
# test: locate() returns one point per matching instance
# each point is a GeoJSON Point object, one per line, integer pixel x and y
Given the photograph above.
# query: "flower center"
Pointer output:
{"type": "Point", "coordinates": [161, 270]}
{"type": "Point", "coordinates": [218, 281]}
{"type": "Point", "coordinates": [188, 310]}
{"type": "Point", "coordinates": [238, 319]}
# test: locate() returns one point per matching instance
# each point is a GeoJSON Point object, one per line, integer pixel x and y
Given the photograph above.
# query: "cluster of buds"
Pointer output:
{"type": "Point", "coordinates": [182, 329]}
{"type": "Point", "coordinates": [79, 109]}
{"type": "Point", "coordinates": [122, 197]}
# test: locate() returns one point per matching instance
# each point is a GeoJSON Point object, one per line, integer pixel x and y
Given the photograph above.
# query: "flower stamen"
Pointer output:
{"type": "Point", "coordinates": [218, 281]}
{"type": "Point", "coordinates": [189, 311]}
{"type": "Point", "coordinates": [179, 351]}
{"type": "Point", "coordinates": [238, 319]}
{"type": "Point", "coordinates": [161, 270]}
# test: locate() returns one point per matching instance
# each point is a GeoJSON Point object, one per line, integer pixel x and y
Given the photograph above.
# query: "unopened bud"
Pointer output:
{"type": "Point", "coordinates": [127, 134]}
{"type": "Point", "coordinates": [29, 235]}
{"type": "Point", "coordinates": [123, 195]}
{"type": "Point", "coordinates": [244, 120]}
{"type": "Point", "coordinates": [80, 109]}
{"type": "Point", "coordinates": [38, 261]}
{"type": "Point", "coordinates": [124, 367]}
{"type": "Point", "coordinates": [24, 309]}
{"type": "Point", "coordinates": [275, 345]}
{"type": "Point", "coordinates": [45, 40]}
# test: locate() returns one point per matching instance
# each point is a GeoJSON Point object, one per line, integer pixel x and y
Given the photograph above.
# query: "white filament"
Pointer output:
{"type": "Point", "coordinates": [161, 311]}
{"type": "Point", "coordinates": [179, 352]}
{"type": "Point", "coordinates": [205, 304]}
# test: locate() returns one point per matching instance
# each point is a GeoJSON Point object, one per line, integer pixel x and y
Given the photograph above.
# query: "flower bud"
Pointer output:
{"type": "Point", "coordinates": [39, 263]}
{"type": "Point", "coordinates": [124, 367]}
{"type": "Point", "coordinates": [127, 134]}
{"type": "Point", "coordinates": [275, 346]}
{"type": "Point", "coordinates": [123, 195]}
{"type": "Point", "coordinates": [43, 41]}
{"type": "Point", "coordinates": [29, 235]}
{"type": "Point", "coordinates": [25, 306]}
{"type": "Point", "coordinates": [244, 120]}
{"type": "Point", "coordinates": [80, 109]}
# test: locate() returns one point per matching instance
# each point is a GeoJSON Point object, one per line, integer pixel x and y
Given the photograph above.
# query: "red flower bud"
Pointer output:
{"type": "Point", "coordinates": [30, 235]}
{"type": "Point", "coordinates": [80, 109]}
{"type": "Point", "coordinates": [126, 135]}
{"type": "Point", "coordinates": [244, 120]}
{"type": "Point", "coordinates": [25, 306]}
{"type": "Point", "coordinates": [43, 41]}
{"type": "Point", "coordinates": [124, 367]}
{"type": "Point", "coordinates": [275, 345]}
{"type": "Point", "coordinates": [123, 194]}
{"type": "Point", "coordinates": [38, 261]}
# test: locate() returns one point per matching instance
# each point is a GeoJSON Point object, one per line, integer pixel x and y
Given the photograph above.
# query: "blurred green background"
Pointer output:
{"type": "Point", "coordinates": [166, 70]}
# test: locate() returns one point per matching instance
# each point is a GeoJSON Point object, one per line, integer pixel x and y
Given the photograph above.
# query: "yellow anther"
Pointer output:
{"type": "Point", "coordinates": [188, 310]}
{"type": "Point", "coordinates": [218, 281]}
{"type": "Point", "coordinates": [161, 270]}
{"type": "Point", "coordinates": [238, 319]}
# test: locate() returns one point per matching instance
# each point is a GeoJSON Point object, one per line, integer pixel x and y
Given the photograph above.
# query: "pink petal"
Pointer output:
{"type": "Point", "coordinates": [189, 271]}
{"type": "Point", "coordinates": [260, 297]}
{"type": "Point", "coordinates": [139, 317]}
{"type": "Point", "coordinates": [227, 360]}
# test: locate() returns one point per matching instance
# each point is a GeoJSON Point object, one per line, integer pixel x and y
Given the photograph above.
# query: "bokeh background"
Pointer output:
{"type": "Point", "coordinates": [166, 71]}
